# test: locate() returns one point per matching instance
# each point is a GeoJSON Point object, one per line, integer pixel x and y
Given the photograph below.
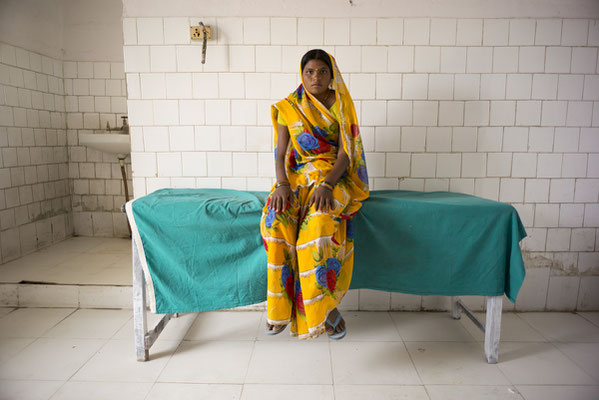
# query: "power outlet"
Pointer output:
{"type": "Point", "coordinates": [196, 33]}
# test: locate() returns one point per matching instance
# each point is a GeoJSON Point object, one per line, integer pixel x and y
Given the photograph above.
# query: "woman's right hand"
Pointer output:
{"type": "Point", "coordinates": [280, 198]}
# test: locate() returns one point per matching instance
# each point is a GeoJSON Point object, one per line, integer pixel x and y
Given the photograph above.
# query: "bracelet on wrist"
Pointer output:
{"type": "Point", "coordinates": [327, 185]}
{"type": "Point", "coordinates": [282, 183]}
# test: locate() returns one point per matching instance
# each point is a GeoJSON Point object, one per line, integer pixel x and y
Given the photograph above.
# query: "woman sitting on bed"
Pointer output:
{"type": "Point", "coordinates": [321, 183]}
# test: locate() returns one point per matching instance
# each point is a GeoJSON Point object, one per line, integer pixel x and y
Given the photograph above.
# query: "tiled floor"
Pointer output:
{"type": "Point", "coordinates": [79, 353]}
{"type": "Point", "coordinates": [63, 353]}
{"type": "Point", "coordinates": [77, 260]}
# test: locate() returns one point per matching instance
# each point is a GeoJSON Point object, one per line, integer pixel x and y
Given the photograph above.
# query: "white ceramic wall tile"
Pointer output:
{"type": "Point", "coordinates": [256, 30]}
{"type": "Point", "coordinates": [150, 31]}
{"type": "Point", "coordinates": [176, 30]}
{"type": "Point", "coordinates": [390, 31]}
{"type": "Point", "coordinates": [336, 31]}
{"type": "Point", "coordinates": [310, 31]}
{"type": "Point", "coordinates": [283, 31]}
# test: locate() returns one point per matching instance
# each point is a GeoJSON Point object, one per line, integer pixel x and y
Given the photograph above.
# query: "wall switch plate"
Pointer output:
{"type": "Point", "coordinates": [196, 32]}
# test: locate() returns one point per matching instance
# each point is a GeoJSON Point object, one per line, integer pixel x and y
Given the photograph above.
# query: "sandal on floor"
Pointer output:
{"type": "Point", "coordinates": [275, 331]}
{"type": "Point", "coordinates": [333, 325]}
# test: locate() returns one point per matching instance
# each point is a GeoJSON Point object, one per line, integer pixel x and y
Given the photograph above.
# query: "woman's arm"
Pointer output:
{"type": "Point", "coordinates": [340, 165]}
{"type": "Point", "coordinates": [282, 143]}
{"type": "Point", "coordinates": [282, 195]}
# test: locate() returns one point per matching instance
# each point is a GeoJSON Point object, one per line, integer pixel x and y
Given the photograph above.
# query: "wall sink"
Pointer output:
{"type": "Point", "coordinates": [113, 143]}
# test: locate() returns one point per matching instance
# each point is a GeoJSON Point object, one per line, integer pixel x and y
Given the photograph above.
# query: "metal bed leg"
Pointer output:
{"type": "Point", "coordinates": [140, 323]}
{"type": "Point", "coordinates": [456, 311]}
{"type": "Point", "coordinates": [144, 339]}
{"type": "Point", "coordinates": [492, 327]}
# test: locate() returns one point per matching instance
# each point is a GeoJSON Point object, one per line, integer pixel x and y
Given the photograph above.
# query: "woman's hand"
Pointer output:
{"type": "Point", "coordinates": [280, 198]}
{"type": "Point", "coordinates": [322, 198]}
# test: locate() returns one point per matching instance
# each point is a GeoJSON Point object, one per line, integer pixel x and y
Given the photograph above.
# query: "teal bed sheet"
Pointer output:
{"type": "Point", "coordinates": [202, 248]}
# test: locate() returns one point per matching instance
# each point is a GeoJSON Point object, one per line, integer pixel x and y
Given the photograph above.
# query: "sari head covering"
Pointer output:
{"type": "Point", "coordinates": [315, 134]}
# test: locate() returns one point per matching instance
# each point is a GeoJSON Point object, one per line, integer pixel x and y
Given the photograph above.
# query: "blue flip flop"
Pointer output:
{"type": "Point", "coordinates": [337, 335]}
{"type": "Point", "coordinates": [272, 332]}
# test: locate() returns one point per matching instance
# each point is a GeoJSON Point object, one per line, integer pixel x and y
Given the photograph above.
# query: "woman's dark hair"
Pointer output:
{"type": "Point", "coordinates": [317, 54]}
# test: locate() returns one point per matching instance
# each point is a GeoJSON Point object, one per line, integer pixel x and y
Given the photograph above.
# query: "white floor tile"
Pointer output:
{"type": "Point", "coordinates": [209, 362]}
{"type": "Point", "coordinates": [562, 327]}
{"type": "Point", "coordinates": [290, 362]}
{"type": "Point", "coordinates": [372, 363]}
{"type": "Point", "coordinates": [113, 275]}
{"type": "Point", "coordinates": [90, 324]}
{"type": "Point", "coordinates": [553, 392]}
{"type": "Point", "coordinates": [50, 359]}
{"type": "Point", "coordinates": [17, 271]}
{"type": "Point", "coordinates": [89, 261]}
{"type": "Point", "coordinates": [284, 336]}
{"type": "Point", "coordinates": [31, 322]}
{"type": "Point", "coordinates": [380, 392]}
{"type": "Point", "coordinates": [28, 390]}
{"type": "Point", "coordinates": [539, 363]}
{"type": "Point", "coordinates": [194, 391]}
{"type": "Point", "coordinates": [175, 330]}
{"type": "Point", "coordinates": [585, 355]}
{"type": "Point", "coordinates": [116, 362]}
{"type": "Point", "coordinates": [67, 273]}
{"type": "Point", "coordinates": [454, 364]}
{"type": "Point", "coordinates": [370, 326]}
{"type": "Point", "coordinates": [241, 325]}
{"type": "Point", "coordinates": [6, 310]}
{"type": "Point", "coordinates": [79, 244]}
{"type": "Point", "coordinates": [102, 391]}
{"type": "Point", "coordinates": [9, 347]}
{"type": "Point", "coordinates": [112, 245]}
{"type": "Point", "coordinates": [287, 392]}
{"type": "Point", "coordinates": [513, 329]}
{"type": "Point", "coordinates": [430, 326]}
{"type": "Point", "coordinates": [590, 316]}
{"type": "Point", "coordinates": [454, 392]}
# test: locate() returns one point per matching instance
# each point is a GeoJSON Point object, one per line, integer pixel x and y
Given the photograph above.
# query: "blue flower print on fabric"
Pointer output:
{"type": "Point", "coordinates": [285, 272]}
{"type": "Point", "coordinates": [307, 141]}
{"type": "Point", "coordinates": [321, 275]}
{"type": "Point", "coordinates": [363, 174]}
{"type": "Point", "coordinates": [323, 134]}
{"type": "Point", "coordinates": [300, 92]}
{"type": "Point", "coordinates": [334, 264]}
{"type": "Point", "coordinates": [270, 218]}
{"type": "Point", "coordinates": [319, 131]}
{"type": "Point", "coordinates": [349, 229]}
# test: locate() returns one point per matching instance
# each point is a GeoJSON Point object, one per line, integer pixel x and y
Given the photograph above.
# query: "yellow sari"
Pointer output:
{"type": "Point", "coordinates": [309, 252]}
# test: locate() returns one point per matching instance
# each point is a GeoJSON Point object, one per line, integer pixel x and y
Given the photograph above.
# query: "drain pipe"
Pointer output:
{"type": "Point", "coordinates": [124, 174]}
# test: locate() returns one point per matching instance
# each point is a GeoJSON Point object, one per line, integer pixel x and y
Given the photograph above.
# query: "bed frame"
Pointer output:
{"type": "Point", "coordinates": [144, 338]}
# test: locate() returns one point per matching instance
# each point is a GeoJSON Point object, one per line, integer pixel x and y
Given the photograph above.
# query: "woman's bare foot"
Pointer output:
{"type": "Point", "coordinates": [332, 317]}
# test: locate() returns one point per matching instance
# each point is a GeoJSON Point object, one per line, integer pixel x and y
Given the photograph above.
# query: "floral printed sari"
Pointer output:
{"type": "Point", "coordinates": [309, 252]}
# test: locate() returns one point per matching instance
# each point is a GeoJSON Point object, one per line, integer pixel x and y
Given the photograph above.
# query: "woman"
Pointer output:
{"type": "Point", "coordinates": [306, 222]}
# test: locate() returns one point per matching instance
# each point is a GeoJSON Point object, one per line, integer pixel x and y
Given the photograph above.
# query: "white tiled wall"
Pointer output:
{"type": "Point", "coordinates": [50, 186]}
{"type": "Point", "coordinates": [506, 109]}
{"type": "Point", "coordinates": [95, 94]}
{"type": "Point", "coordinates": [34, 189]}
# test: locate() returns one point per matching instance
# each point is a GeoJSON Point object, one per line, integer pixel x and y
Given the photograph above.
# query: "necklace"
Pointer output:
{"type": "Point", "coordinates": [326, 100]}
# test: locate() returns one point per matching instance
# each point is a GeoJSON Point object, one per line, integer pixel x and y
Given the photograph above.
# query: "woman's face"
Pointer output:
{"type": "Point", "coordinates": [316, 76]}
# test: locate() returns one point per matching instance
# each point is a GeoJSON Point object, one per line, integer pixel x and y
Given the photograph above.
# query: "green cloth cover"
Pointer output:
{"type": "Point", "coordinates": [204, 252]}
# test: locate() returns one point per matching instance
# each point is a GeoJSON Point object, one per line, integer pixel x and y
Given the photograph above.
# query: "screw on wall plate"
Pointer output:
{"type": "Point", "coordinates": [197, 33]}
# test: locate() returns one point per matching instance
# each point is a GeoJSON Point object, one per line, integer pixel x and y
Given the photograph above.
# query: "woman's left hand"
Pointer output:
{"type": "Point", "coordinates": [322, 198]}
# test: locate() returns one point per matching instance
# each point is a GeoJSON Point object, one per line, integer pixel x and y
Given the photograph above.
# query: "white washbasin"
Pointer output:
{"type": "Point", "coordinates": [113, 143]}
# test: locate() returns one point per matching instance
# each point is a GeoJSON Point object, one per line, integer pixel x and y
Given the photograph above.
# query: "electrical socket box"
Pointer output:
{"type": "Point", "coordinates": [197, 33]}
